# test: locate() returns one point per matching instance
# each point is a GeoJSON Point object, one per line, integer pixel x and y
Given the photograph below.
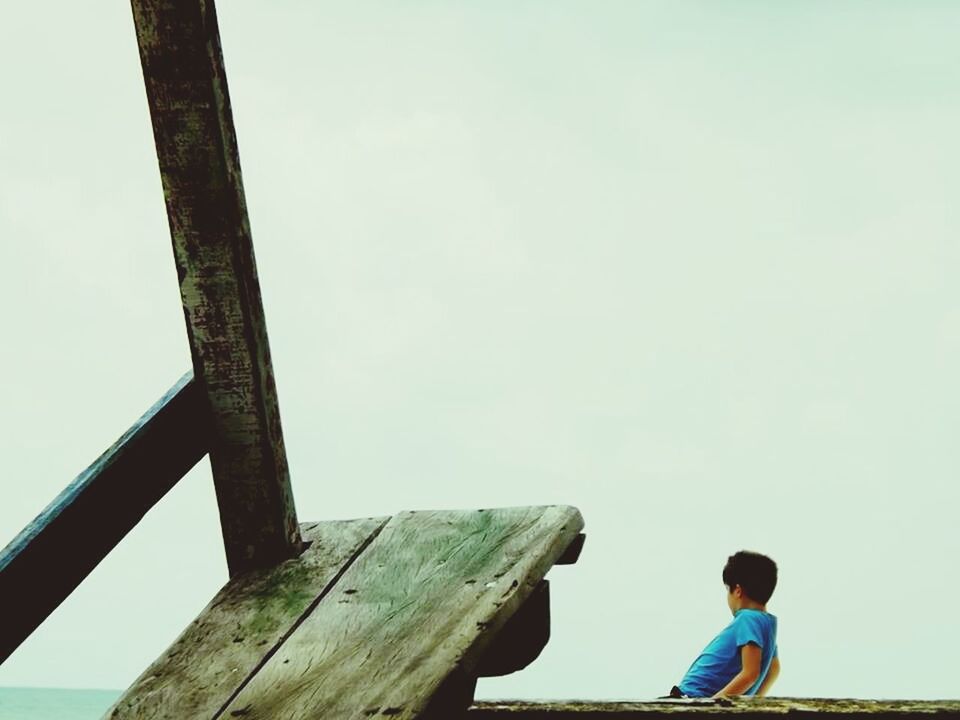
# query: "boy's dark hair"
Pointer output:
{"type": "Point", "coordinates": [755, 573]}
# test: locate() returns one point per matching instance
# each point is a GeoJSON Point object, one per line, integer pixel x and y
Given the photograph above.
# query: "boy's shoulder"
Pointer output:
{"type": "Point", "coordinates": [753, 613]}
{"type": "Point", "coordinates": [756, 618]}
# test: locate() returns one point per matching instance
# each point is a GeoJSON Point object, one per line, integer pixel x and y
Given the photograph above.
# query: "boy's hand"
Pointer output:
{"type": "Point", "coordinates": [751, 656]}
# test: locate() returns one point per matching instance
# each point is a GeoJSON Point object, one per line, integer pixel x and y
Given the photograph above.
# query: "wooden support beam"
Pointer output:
{"type": "Point", "coordinates": [55, 552]}
{"type": "Point", "coordinates": [451, 698]}
{"type": "Point", "coordinates": [741, 708]}
{"type": "Point", "coordinates": [200, 169]}
{"type": "Point", "coordinates": [522, 638]}
{"type": "Point", "coordinates": [572, 553]}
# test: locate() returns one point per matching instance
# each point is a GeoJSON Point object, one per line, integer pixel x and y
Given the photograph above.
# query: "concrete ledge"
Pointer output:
{"type": "Point", "coordinates": [743, 707]}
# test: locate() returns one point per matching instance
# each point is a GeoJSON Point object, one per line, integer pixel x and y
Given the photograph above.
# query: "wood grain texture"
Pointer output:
{"type": "Point", "coordinates": [241, 627]}
{"type": "Point", "coordinates": [42, 565]}
{"type": "Point", "coordinates": [419, 606]}
{"type": "Point", "coordinates": [200, 170]}
{"type": "Point", "coordinates": [745, 708]}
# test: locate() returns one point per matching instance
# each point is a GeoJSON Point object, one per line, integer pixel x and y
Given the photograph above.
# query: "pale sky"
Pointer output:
{"type": "Point", "coordinates": [689, 266]}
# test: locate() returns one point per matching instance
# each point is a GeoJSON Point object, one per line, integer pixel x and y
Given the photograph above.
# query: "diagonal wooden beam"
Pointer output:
{"type": "Point", "coordinates": [54, 553]}
{"type": "Point", "coordinates": [200, 169]}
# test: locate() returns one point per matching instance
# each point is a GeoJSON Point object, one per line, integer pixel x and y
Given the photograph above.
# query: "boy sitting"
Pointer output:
{"type": "Point", "coordinates": [742, 659]}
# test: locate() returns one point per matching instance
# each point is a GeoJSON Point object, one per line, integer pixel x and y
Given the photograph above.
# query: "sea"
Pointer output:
{"type": "Point", "coordinates": [54, 704]}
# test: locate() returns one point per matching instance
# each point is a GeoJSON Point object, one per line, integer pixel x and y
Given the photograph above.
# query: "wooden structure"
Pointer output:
{"type": "Point", "coordinates": [392, 617]}
{"type": "Point", "coordinates": [381, 617]}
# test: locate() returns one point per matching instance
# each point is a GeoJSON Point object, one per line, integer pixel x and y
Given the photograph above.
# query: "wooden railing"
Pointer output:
{"type": "Point", "coordinates": [55, 552]}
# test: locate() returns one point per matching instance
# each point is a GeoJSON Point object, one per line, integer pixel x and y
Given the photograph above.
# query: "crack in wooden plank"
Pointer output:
{"type": "Point", "coordinates": [303, 616]}
{"type": "Point", "coordinates": [250, 617]}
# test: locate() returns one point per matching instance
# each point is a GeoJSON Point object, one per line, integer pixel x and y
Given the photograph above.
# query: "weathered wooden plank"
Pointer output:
{"type": "Point", "coordinates": [522, 638]}
{"type": "Point", "coordinates": [703, 708]}
{"type": "Point", "coordinates": [242, 627]}
{"type": "Point", "coordinates": [51, 556]}
{"type": "Point", "coordinates": [200, 169]}
{"type": "Point", "coordinates": [411, 618]}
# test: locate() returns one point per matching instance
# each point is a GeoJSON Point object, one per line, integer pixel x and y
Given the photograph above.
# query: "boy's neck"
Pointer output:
{"type": "Point", "coordinates": [751, 605]}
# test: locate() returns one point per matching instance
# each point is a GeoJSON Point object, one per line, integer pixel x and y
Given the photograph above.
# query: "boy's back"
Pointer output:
{"type": "Point", "coordinates": [742, 659]}
{"type": "Point", "coordinates": [721, 659]}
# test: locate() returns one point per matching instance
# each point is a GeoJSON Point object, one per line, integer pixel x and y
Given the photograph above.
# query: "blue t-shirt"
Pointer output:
{"type": "Point", "coordinates": [720, 661]}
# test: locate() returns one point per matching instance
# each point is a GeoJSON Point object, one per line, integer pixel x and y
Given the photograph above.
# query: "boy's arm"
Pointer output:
{"type": "Point", "coordinates": [772, 674]}
{"type": "Point", "coordinates": [750, 656]}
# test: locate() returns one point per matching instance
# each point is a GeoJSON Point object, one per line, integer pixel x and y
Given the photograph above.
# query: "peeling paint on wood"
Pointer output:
{"type": "Point", "coordinates": [200, 170]}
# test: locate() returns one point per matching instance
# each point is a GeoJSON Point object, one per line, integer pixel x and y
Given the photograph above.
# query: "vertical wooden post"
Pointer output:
{"type": "Point", "coordinates": [200, 168]}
